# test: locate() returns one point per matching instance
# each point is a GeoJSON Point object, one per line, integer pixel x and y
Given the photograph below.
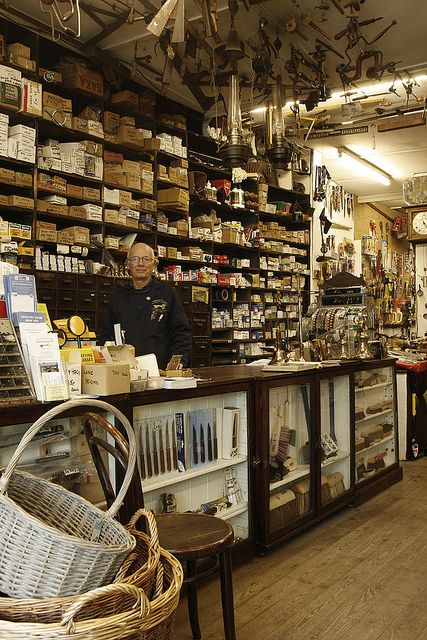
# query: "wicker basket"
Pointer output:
{"type": "Point", "coordinates": [145, 620]}
{"type": "Point", "coordinates": [52, 542]}
{"type": "Point", "coordinates": [139, 569]}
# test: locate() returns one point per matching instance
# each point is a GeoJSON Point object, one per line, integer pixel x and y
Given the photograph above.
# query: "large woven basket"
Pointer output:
{"type": "Point", "coordinates": [145, 620]}
{"type": "Point", "coordinates": [52, 542]}
{"type": "Point", "coordinates": [139, 569]}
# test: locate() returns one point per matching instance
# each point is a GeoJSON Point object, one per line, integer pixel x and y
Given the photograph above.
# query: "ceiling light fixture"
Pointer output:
{"type": "Point", "coordinates": [369, 170]}
{"type": "Point", "coordinates": [279, 151]}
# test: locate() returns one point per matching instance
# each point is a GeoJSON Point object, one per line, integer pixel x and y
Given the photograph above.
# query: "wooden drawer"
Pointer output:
{"type": "Point", "coordinates": [48, 296]}
{"type": "Point", "coordinates": [86, 301]}
{"type": "Point", "coordinates": [87, 283]}
{"type": "Point", "coordinates": [66, 281]}
{"type": "Point", "coordinates": [45, 279]}
{"type": "Point", "coordinates": [201, 324]}
{"type": "Point", "coordinates": [105, 285]}
{"type": "Point", "coordinates": [67, 300]}
{"type": "Point", "coordinates": [201, 347]}
{"type": "Point", "coordinates": [183, 289]}
{"type": "Point", "coordinates": [102, 300]}
{"type": "Point", "coordinates": [203, 361]}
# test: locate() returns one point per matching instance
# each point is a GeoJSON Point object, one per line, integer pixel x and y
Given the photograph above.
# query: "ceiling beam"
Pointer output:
{"type": "Point", "coordinates": [108, 30]}
{"type": "Point", "coordinates": [88, 10]}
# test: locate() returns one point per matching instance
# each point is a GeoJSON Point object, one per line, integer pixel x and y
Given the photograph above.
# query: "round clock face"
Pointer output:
{"type": "Point", "coordinates": [419, 223]}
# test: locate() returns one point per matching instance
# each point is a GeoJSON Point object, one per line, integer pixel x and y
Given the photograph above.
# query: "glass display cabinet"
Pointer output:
{"type": "Point", "coordinates": [375, 422]}
{"type": "Point", "coordinates": [335, 437]}
{"type": "Point", "coordinates": [290, 455]}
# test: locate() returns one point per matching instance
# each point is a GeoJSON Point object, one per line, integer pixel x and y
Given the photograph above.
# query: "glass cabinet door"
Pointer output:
{"type": "Point", "coordinates": [290, 447]}
{"type": "Point", "coordinates": [334, 438]}
{"type": "Point", "coordinates": [375, 422]}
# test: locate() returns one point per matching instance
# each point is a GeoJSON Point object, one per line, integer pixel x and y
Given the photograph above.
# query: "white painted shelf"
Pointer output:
{"type": "Point", "coordinates": [374, 415]}
{"type": "Point", "coordinates": [169, 479]}
{"type": "Point", "coordinates": [342, 455]}
{"type": "Point", "coordinates": [374, 386]}
{"type": "Point", "coordinates": [375, 444]}
{"type": "Point", "coordinates": [300, 472]}
{"type": "Point", "coordinates": [233, 511]}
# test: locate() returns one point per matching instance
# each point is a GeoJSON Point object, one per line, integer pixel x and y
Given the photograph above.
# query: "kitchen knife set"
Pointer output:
{"type": "Point", "coordinates": [203, 438]}
{"type": "Point", "coordinates": [167, 445]}
{"type": "Point", "coordinates": [160, 446]}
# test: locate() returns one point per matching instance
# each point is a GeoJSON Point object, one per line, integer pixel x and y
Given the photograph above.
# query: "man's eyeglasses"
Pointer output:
{"type": "Point", "coordinates": [139, 259]}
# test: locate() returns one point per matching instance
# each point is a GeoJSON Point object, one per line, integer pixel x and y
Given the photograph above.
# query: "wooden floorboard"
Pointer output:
{"type": "Point", "coordinates": [359, 575]}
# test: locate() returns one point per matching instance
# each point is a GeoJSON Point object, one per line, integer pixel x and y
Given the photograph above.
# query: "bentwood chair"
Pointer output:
{"type": "Point", "coordinates": [194, 539]}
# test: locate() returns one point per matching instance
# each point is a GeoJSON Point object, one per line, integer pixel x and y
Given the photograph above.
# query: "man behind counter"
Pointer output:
{"type": "Point", "coordinates": [149, 311]}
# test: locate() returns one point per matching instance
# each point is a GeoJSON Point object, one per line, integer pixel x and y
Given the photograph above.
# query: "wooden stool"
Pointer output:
{"type": "Point", "coordinates": [190, 537]}
{"type": "Point", "coordinates": [194, 536]}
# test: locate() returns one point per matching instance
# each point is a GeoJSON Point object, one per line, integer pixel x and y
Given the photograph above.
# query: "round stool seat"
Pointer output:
{"type": "Point", "coordinates": [193, 535]}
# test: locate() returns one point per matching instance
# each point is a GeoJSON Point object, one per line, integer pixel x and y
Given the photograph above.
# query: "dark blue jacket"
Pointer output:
{"type": "Point", "coordinates": [153, 320]}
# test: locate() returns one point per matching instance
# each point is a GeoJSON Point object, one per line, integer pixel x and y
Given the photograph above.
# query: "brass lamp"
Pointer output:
{"type": "Point", "coordinates": [279, 152]}
{"type": "Point", "coordinates": [235, 151]}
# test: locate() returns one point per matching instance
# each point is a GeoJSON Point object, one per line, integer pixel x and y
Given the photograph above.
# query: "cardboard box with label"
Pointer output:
{"type": "Point", "coordinates": [106, 379]}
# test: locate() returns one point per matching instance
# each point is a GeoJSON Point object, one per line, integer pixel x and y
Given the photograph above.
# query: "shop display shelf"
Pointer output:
{"type": "Point", "coordinates": [376, 444]}
{"type": "Point", "coordinates": [172, 479]}
{"type": "Point", "coordinates": [374, 386]}
{"type": "Point", "coordinates": [74, 176]}
{"type": "Point", "coordinates": [231, 512]}
{"type": "Point", "coordinates": [374, 415]}
{"type": "Point", "coordinates": [341, 455]}
{"type": "Point", "coordinates": [301, 471]}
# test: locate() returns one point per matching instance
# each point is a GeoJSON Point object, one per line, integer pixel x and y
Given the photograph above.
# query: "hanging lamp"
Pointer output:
{"type": "Point", "coordinates": [279, 151]}
{"type": "Point", "coordinates": [235, 151]}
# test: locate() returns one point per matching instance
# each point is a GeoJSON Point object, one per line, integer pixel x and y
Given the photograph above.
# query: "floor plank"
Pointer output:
{"type": "Point", "coordinates": [359, 574]}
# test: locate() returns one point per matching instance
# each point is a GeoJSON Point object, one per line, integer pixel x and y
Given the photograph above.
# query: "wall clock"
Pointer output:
{"type": "Point", "coordinates": [417, 224]}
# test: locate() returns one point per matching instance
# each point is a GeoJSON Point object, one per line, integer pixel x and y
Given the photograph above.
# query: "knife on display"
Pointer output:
{"type": "Point", "coordinates": [195, 454]}
{"type": "Point", "coordinates": [141, 455]}
{"type": "Point", "coordinates": [215, 443]}
{"type": "Point", "coordinates": [155, 454]}
{"type": "Point", "coordinates": [168, 448]}
{"type": "Point", "coordinates": [162, 451]}
{"type": "Point", "coordinates": [148, 451]}
{"type": "Point", "coordinates": [202, 444]}
{"type": "Point", "coordinates": [210, 452]}
{"type": "Point", "coordinates": [174, 447]}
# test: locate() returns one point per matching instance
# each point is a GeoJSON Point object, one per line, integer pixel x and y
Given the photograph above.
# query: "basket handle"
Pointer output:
{"type": "Point", "coordinates": [55, 411]}
{"type": "Point", "coordinates": [153, 545]}
{"type": "Point", "coordinates": [141, 602]}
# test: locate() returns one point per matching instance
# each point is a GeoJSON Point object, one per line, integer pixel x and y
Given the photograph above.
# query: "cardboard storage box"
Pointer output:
{"type": "Point", "coordinates": [127, 99]}
{"type": "Point", "coordinates": [174, 197]}
{"type": "Point", "coordinates": [46, 235]}
{"type": "Point", "coordinates": [73, 235]}
{"type": "Point", "coordinates": [74, 191]}
{"type": "Point", "coordinates": [20, 201]}
{"type": "Point", "coordinates": [105, 379]}
{"type": "Point", "coordinates": [52, 101]}
{"type": "Point", "coordinates": [19, 49]}
{"type": "Point", "coordinates": [78, 76]}
{"type": "Point", "coordinates": [51, 207]}
{"type": "Point", "coordinates": [230, 236]}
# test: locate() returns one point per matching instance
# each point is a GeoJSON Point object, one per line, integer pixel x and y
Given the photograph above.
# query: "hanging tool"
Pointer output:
{"type": "Point", "coordinates": [308, 22]}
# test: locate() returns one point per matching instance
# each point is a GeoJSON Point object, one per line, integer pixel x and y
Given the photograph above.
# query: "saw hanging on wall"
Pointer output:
{"type": "Point", "coordinates": [172, 9]}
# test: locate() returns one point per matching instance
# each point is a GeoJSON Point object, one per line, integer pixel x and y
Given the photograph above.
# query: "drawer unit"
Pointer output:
{"type": "Point", "coordinates": [66, 281]}
{"type": "Point", "coordinates": [66, 300]}
{"type": "Point", "coordinates": [201, 347]}
{"type": "Point", "coordinates": [47, 296]}
{"type": "Point", "coordinates": [45, 280]}
{"type": "Point", "coordinates": [201, 324]}
{"type": "Point", "coordinates": [87, 283]}
{"type": "Point", "coordinates": [104, 285]}
{"type": "Point", "coordinates": [86, 301]}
